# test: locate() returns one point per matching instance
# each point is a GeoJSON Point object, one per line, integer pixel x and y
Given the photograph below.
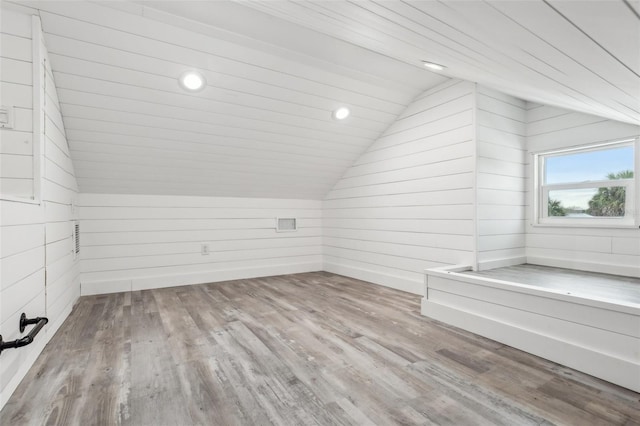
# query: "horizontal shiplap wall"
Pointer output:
{"type": "Point", "coordinates": [39, 275]}
{"type": "Point", "coordinates": [59, 192]}
{"type": "Point", "coordinates": [22, 230]}
{"type": "Point", "coordinates": [501, 184]}
{"type": "Point", "coordinates": [408, 202]}
{"type": "Point", "coordinates": [595, 249]}
{"type": "Point", "coordinates": [131, 242]}
{"type": "Point", "coordinates": [16, 90]}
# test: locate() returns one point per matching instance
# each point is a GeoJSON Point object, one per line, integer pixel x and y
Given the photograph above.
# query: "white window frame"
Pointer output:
{"type": "Point", "coordinates": [541, 191]}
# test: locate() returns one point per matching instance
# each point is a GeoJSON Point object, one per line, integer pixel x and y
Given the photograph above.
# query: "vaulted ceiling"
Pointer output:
{"type": "Point", "coordinates": [581, 55]}
{"type": "Point", "coordinates": [275, 71]}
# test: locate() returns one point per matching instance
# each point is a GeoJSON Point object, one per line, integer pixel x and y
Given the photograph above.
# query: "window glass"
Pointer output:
{"type": "Point", "coordinates": [590, 186]}
{"type": "Point", "coordinates": [603, 164]}
{"type": "Point", "coordinates": [588, 202]}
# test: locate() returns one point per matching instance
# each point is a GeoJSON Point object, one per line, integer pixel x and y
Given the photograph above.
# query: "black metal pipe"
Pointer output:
{"type": "Point", "coordinates": [24, 321]}
{"type": "Point", "coordinates": [28, 339]}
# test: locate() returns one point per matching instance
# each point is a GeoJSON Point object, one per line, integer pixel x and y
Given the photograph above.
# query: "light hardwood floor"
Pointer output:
{"type": "Point", "coordinates": [302, 349]}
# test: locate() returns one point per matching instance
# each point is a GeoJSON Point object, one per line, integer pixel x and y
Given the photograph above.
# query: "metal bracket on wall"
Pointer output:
{"type": "Point", "coordinates": [28, 339]}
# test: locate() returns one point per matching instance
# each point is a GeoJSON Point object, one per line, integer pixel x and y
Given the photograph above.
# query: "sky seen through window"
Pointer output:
{"type": "Point", "coordinates": [584, 167]}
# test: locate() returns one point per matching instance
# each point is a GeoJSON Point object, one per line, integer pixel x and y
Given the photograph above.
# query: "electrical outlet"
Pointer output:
{"type": "Point", "coordinates": [204, 249]}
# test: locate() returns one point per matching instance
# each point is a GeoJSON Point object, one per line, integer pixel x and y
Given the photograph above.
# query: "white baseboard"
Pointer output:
{"type": "Point", "coordinates": [375, 277]}
{"type": "Point", "coordinates": [104, 287]}
{"type": "Point", "coordinates": [501, 263]}
{"type": "Point", "coordinates": [174, 280]}
{"type": "Point", "coordinates": [37, 346]}
{"type": "Point", "coordinates": [604, 268]}
{"type": "Point", "coordinates": [53, 327]}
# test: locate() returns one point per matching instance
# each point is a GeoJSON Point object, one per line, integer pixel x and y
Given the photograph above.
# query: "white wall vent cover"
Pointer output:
{"type": "Point", "coordinates": [76, 239]}
{"type": "Point", "coordinates": [6, 117]}
{"type": "Point", "coordinates": [286, 224]}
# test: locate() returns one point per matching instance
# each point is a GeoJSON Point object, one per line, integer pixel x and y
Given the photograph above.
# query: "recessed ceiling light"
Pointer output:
{"type": "Point", "coordinates": [341, 113]}
{"type": "Point", "coordinates": [433, 66]}
{"type": "Point", "coordinates": [192, 81]}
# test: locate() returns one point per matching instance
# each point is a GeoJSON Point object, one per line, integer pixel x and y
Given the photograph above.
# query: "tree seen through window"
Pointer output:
{"type": "Point", "coordinates": [607, 201]}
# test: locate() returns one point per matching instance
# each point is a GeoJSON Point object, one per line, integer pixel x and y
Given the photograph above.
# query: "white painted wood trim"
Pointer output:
{"type": "Point", "coordinates": [25, 366]}
{"type": "Point", "coordinates": [448, 268]}
{"type": "Point", "coordinates": [501, 263]}
{"type": "Point", "coordinates": [622, 372]}
{"type": "Point", "coordinates": [162, 281]}
{"type": "Point", "coordinates": [508, 312]}
{"type": "Point", "coordinates": [14, 199]}
{"type": "Point", "coordinates": [375, 277]}
{"type": "Point", "coordinates": [88, 288]}
{"type": "Point", "coordinates": [43, 339]}
{"type": "Point", "coordinates": [38, 107]}
{"type": "Point", "coordinates": [476, 222]}
{"type": "Point", "coordinates": [602, 303]}
{"type": "Point", "coordinates": [606, 268]}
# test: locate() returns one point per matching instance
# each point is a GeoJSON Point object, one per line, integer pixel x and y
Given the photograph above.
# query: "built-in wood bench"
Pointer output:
{"type": "Point", "coordinates": [587, 321]}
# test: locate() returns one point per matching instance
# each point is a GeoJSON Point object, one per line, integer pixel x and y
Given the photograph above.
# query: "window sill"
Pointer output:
{"type": "Point", "coordinates": [586, 225]}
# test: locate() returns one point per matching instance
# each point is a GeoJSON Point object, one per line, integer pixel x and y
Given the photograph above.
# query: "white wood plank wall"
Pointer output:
{"type": "Point", "coordinates": [132, 242]}
{"type": "Point", "coordinates": [22, 230]}
{"type": "Point", "coordinates": [16, 86]}
{"type": "Point", "coordinates": [606, 250]}
{"type": "Point", "coordinates": [408, 202]}
{"type": "Point", "coordinates": [501, 184]}
{"type": "Point", "coordinates": [59, 194]}
{"type": "Point", "coordinates": [36, 238]}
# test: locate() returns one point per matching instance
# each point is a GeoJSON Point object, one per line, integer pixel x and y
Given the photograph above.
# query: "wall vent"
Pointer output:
{"type": "Point", "coordinates": [76, 239]}
{"type": "Point", "coordinates": [286, 224]}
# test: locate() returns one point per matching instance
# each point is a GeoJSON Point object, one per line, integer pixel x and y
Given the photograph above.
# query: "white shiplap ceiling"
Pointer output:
{"type": "Point", "coordinates": [581, 55]}
{"type": "Point", "coordinates": [276, 70]}
{"type": "Point", "coordinates": [261, 128]}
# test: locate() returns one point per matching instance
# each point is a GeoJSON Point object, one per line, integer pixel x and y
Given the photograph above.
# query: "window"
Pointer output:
{"type": "Point", "coordinates": [588, 186]}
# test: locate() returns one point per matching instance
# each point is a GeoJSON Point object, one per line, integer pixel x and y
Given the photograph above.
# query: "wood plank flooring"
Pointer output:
{"type": "Point", "coordinates": [301, 349]}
